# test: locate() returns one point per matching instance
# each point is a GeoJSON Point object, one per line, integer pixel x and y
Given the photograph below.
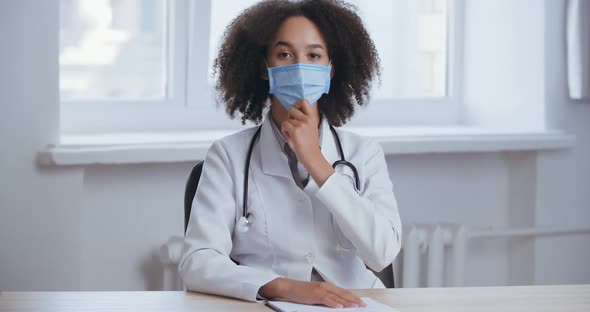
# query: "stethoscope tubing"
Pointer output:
{"type": "Point", "coordinates": [245, 214]}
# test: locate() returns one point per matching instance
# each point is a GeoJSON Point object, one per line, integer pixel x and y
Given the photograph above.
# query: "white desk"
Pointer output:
{"type": "Point", "coordinates": [472, 299]}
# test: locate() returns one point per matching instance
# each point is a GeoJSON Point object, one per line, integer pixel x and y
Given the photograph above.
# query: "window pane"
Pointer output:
{"type": "Point", "coordinates": [222, 13]}
{"type": "Point", "coordinates": [410, 36]}
{"type": "Point", "coordinates": [113, 49]}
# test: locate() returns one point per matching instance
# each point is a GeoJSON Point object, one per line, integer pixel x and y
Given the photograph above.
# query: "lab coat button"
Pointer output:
{"type": "Point", "coordinates": [309, 258]}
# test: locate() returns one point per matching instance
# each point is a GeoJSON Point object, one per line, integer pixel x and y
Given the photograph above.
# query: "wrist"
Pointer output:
{"type": "Point", "coordinates": [320, 171]}
{"type": "Point", "coordinates": [313, 159]}
{"type": "Point", "coordinates": [274, 288]}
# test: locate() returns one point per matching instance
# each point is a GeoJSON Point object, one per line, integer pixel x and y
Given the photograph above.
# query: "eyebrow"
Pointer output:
{"type": "Point", "coordinates": [310, 46]}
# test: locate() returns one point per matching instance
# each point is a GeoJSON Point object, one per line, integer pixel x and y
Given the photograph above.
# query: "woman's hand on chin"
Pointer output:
{"type": "Point", "coordinates": [302, 133]}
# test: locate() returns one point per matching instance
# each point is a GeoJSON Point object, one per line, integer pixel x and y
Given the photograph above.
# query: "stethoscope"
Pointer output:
{"type": "Point", "coordinates": [247, 219]}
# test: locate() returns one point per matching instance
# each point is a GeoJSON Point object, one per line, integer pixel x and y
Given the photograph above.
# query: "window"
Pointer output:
{"type": "Point", "coordinates": [410, 35]}
{"type": "Point", "coordinates": [135, 65]}
{"type": "Point", "coordinates": [113, 50]}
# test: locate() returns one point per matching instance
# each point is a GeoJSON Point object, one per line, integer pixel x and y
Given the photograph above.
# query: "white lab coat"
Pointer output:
{"type": "Point", "coordinates": [333, 229]}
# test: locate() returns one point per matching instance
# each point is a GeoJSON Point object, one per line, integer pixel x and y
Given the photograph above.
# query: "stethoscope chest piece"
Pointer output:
{"type": "Point", "coordinates": [245, 223]}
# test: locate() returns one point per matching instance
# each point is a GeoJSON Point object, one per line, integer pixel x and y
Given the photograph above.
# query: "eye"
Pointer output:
{"type": "Point", "coordinates": [285, 54]}
{"type": "Point", "coordinates": [314, 56]}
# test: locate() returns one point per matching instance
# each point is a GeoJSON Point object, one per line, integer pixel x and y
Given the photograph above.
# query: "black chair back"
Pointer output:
{"type": "Point", "coordinates": [191, 188]}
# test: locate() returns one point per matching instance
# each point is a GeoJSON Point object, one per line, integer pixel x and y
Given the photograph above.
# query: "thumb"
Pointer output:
{"type": "Point", "coordinates": [290, 142]}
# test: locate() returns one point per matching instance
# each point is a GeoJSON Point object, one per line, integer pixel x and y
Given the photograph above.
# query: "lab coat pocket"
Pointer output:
{"type": "Point", "coordinates": [253, 238]}
{"type": "Point", "coordinates": [343, 241]}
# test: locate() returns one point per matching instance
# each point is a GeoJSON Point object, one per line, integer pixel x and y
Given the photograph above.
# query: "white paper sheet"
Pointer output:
{"type": "Point", "coordinates": [372, 306]}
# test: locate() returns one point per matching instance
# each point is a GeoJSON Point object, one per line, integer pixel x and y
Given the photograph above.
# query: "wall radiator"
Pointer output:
{"type": "Point", "coordinates": [442, 244]}
{"type": "Point", "coordinates": [439, 246]}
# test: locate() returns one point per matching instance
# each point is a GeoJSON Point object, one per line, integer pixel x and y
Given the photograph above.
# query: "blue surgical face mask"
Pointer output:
{"type": "Point", "coordinates": [292, 83]}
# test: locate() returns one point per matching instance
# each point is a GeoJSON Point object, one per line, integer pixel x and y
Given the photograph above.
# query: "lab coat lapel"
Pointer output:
{"type": "Point", "coordinates": [329, 149]}
{"type": "Point", "coordinates": [274, 161]}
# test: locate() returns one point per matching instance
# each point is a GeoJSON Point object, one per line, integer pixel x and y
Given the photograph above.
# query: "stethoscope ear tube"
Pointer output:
{"type": "Point", "coordinates": [353, 168]}
{"type": "Point", "coordinates": [246, 173]}
{"type": "Point", "coordinates": [343, 161]}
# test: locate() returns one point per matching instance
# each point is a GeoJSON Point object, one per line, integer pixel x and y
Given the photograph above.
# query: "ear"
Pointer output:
{"type": "Point", "coordinates": [332, 71]}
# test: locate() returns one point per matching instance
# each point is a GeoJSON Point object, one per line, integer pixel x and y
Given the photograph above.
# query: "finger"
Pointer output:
{"type": "Point", "coordinates": [297, 113]}
{"type": "Point", "coordinates": [347, 295]}
{"type": "Point", "coordinates": [341, 301]}
{"type": "Point", "coordinates": [305, 107]}
{"type": "Point", "coordinates": [286, 129]}
{"type": "Point", "coordinates": [332, 301]}
{"type": "Point", "coordinates": [294, 122]}
{"type": "Point", "coordinates": [299, 104]}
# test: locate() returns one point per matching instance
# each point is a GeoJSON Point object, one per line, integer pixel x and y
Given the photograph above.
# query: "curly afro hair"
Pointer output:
{"type": "Point", "coordinates": [243, 49]}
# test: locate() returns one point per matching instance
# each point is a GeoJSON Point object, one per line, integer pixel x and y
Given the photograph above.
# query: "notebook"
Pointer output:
{"type": "Point", "coordinates": [372, 306]}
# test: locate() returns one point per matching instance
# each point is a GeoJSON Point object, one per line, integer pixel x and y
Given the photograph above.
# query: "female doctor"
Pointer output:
{"type": "Point", "coordinates": [310, 228]}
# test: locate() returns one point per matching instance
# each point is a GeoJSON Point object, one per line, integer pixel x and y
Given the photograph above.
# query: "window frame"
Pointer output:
{"type": "Point", "coordinates": [421, 111]}
{"type": "Point", "coordinates": [108, 115]}
{"type": "Point", "coordinates": [188, 42]}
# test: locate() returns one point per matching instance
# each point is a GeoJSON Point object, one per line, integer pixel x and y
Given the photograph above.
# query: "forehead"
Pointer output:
{"type": "Point", "coordinates": [299, 31]}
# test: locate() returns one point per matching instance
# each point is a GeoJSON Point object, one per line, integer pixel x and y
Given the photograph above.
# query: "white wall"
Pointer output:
{"type": "Point", "coordinates": [126, 214]}
{"type": "Point", "coordinates": [563, 194]}
{"type": "Point", "coordinates": [97, 228]}
{"type": "Point", "coordinates": [39, 207]}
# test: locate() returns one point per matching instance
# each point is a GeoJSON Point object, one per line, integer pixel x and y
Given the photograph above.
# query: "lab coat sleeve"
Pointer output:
{"type": "Point", "coordinates": [205, 265]}
{"type": "Point", "coordinates": [369, 219]}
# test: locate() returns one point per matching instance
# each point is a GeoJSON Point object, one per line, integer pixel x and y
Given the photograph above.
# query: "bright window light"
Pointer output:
{"type": "Point", "coordinates": [410, 36]}
{"type": "Point", "coordinates": [113, 49]}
